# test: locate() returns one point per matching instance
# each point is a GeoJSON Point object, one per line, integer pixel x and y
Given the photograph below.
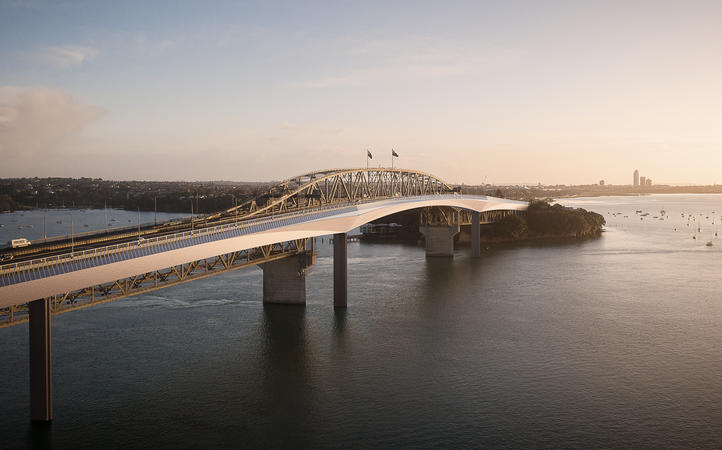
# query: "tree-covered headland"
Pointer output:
{"type": "Point", "coordinates": [543, 220]}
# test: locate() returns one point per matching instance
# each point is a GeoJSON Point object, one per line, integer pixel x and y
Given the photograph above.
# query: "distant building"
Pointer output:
{"type": "Point", "coordinates": [636, 177]}
{"type": "Point", "coordinates": [642, 181]}
{"type": "Point", "coordinates": [648, 182]}
{"type": "Point", "coordinates": [601, 182]}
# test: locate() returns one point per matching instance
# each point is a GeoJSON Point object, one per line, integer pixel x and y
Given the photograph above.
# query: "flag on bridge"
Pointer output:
{"type": "Point", "coordinates": [369, 155]}
{"type": "Point", "coordinates": [393, 155]}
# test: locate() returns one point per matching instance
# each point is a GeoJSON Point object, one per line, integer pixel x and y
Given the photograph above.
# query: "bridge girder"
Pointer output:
{"type": "Point", "coordinates": [158, 279]}
{"type": "Point", "coordinates": [449, 216]}
{"type": "Point", "coordinates": [339, 188]}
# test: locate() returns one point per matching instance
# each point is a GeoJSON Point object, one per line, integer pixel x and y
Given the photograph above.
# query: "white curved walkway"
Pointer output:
{"type": "Point", "coordinates": [44, 279]}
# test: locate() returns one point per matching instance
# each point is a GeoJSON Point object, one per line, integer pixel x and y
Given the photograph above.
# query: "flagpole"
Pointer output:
{"type": "Point", "coordinates": [368, 156]}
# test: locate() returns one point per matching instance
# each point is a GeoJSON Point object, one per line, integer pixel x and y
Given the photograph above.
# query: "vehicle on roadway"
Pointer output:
{"type": "Point", "coordinates": [17, 243]}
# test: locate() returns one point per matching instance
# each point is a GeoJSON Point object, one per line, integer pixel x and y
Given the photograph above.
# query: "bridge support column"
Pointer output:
{"type": "Point", "coordinates": [439, 239]}
{"type": "Point", "coordinates": [284, 280]}
{"type": "Point", "coordinates": [41, 362]}
{"type": "Point", "coordinates": [340, 270]}
{"type": "Point", "coordinates": [475, 234]}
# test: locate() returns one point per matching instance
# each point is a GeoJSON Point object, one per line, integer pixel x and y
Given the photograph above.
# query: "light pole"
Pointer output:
{"type": "Point", "coordinates": [72, 235]}
{"type": "Point", "coordinates": [235, 210]}
{"type": "Point", "coordinates": [139, 224]}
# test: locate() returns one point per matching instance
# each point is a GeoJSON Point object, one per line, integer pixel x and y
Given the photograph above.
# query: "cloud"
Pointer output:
{"type": "Point", "coordinates": [407, 59]}
{"type": "Point", "coordinates": [293, 127]}
{"type": "Point", "coordinates": [29, 4]}
{"type": "Point", "coordinates": [34, 122]}
{"type": "Point", "coordinates": [382, 74]}
{"type": "Point", "coordinates": [395, 60]}
{"type": "Point", "coordinates": [145, 46]}
{"type": "Point", "coordinates": [290, 126]}
{"type": "Point", "coordinates": [67, 55]}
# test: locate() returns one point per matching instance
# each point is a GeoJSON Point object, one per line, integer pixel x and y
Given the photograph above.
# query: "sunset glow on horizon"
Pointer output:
{"type": "Point", "coordinates": [550, 92]}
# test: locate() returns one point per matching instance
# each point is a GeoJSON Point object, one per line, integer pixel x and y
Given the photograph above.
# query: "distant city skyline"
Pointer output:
{"type": "Point", "coordinates": [514, 92]}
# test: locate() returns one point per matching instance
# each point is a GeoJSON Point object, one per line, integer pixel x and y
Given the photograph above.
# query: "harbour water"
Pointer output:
{"type": "Point", "coordinates": [613, 342]}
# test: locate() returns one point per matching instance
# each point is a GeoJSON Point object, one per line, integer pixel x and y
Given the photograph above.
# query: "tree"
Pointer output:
{"type": "Point", "coordinates": [513, 226]}
{"type": "Point", "coordinates": [6, 203]}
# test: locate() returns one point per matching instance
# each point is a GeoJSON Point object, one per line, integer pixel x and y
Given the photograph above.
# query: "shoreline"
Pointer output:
{"type": "Point", "coordinates": [553, 198]}
{"type": "Point", "coordinates": [633, 194]}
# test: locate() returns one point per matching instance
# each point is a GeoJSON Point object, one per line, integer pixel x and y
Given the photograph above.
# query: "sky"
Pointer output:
{"type": "Point", "coordinates": [557, 92]}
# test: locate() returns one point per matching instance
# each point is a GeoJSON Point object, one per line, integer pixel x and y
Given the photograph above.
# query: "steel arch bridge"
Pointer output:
{"type": "Point", "coordinates": [331, 187]}
{"type": "Point", "coordinates": [279, 223]}
{"type": "Point", "coordinates": [276, 229]}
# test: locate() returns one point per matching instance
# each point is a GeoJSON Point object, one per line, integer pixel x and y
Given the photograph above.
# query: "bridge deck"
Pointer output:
{"type": "Point", "coordinates": [39, 278]}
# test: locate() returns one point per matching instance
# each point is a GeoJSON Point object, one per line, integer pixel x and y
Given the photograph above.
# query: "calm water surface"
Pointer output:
{"type": "Point", "coordinates": [613, 342]}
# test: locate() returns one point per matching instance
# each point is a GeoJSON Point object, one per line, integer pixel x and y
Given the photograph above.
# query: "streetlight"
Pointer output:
{"type": "Point", "coordinates": [72, 235]}
{"type": "Point", "coordinates": [139, 224]}
{"type": "Point", "coordinates": [235, 208]}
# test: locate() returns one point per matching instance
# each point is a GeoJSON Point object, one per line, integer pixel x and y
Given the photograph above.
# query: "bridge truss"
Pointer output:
{"type": "Point", "coordinates": [449, 216]}
{"type": "Point", "coordinates": [198, 248]}
{"type": "Point", "coordinates": [171, 276]}
{"type": "Point", "coordinates": [329, 187]}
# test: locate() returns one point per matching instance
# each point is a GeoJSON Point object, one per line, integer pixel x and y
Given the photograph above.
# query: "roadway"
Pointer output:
{"type": "Point", "coordinates": [89, 240]}
{"type": "Point", "coordinates": [26, 281]}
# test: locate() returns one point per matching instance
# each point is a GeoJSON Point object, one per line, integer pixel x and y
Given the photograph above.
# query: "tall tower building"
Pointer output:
{"type": "Point", "coordinates": [643, 181]}
{"type": "Point", "coordinates": [636, 177]}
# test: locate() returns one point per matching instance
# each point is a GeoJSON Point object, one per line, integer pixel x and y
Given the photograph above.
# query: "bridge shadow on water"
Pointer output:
{"type": "Point", "coordinates": [442, 274]}
{"type": "Point", "coordinates": [339, 323]}
{"type": "Point", "coordinates": [287, 391]}
{"type": "Point", "coordinates": [555, 242]}
{"type": "Point", "coordinates": [40, 435]}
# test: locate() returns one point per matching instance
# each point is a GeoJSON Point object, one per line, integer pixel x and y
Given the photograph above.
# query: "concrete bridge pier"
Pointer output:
{"type": "Point", "coordinates": [340, 270]}
{"type": "Point", "coordinates": [475, 234]}
{"type": "Point", "coordinates": [41, 361]}
{"type": "Point", "coordinates": [439, 239]}
{"type": "Point", "coordinates": [284, 280]}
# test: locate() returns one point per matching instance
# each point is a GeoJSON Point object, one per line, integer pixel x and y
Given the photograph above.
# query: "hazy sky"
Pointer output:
{"type": "Point", "coordinates": [540, 91]}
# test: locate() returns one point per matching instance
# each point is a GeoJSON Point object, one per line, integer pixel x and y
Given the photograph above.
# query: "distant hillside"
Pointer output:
{"type": "Point", "coordinates": [167, 196]}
